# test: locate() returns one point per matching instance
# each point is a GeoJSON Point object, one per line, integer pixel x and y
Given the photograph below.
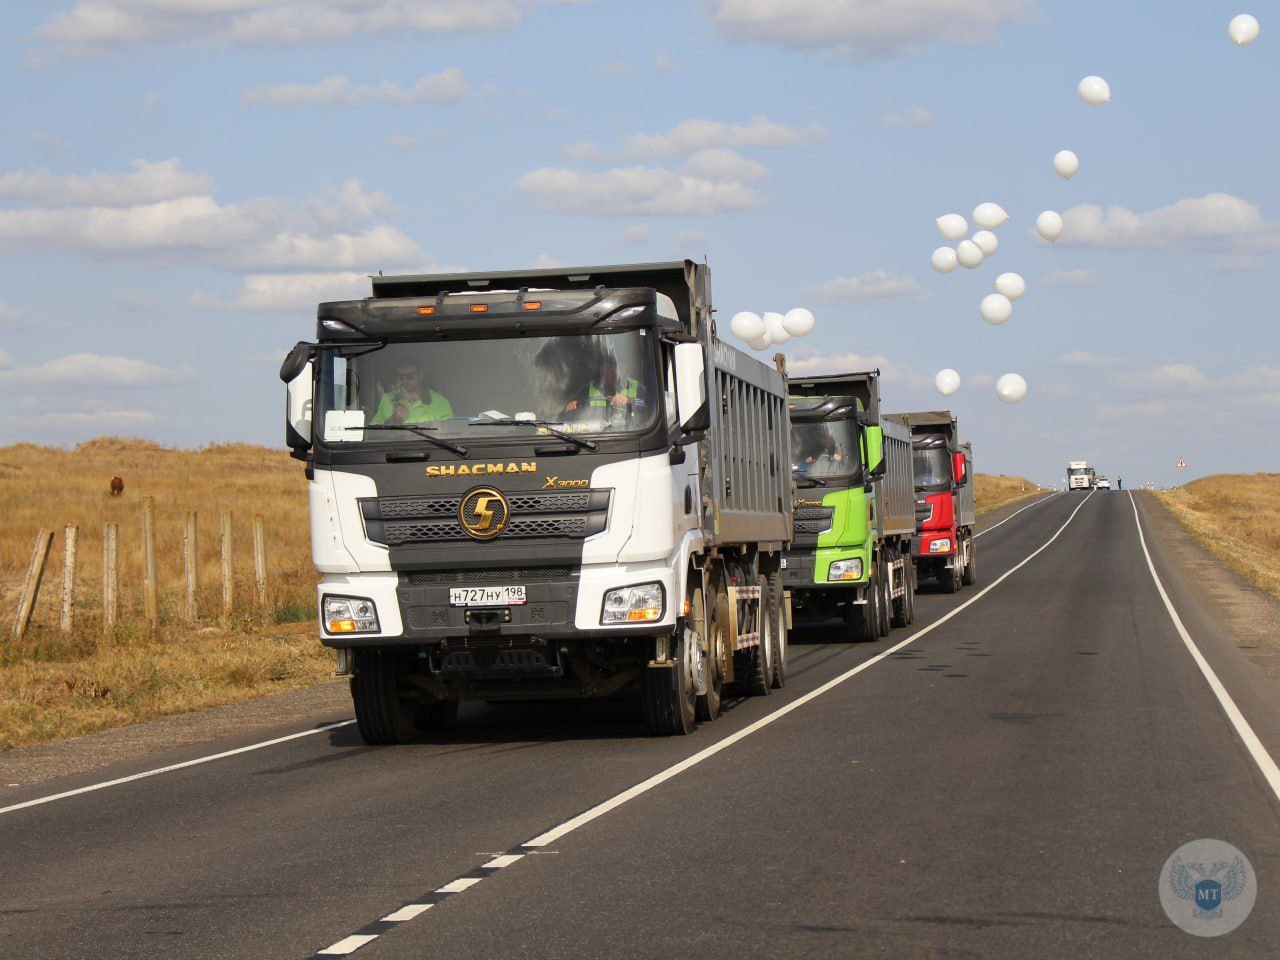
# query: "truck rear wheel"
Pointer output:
{"type": "Point", "coordinates": [884, 625]}
{"type": "Point", "coordinates": [669, 696]}
{"type": "Point", "coordinates": [383, 716]}
{"type": "Point", "coordinates": [970, 575]}
{"type": "Point", "coordinates": [902, 605]}
{"type": "Point", "coordinates": [911, 591]}
{"type": "Point", "coordinates": [753, 667]}
{"type": "Point", "coordinates": [776, 610]}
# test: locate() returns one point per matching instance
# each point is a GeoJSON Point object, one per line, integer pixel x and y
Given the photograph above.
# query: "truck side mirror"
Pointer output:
{"type": "Point", "coordinates": [296, 360]}
{"type": "Point", "coordinates": [298, 404]}
{"type": "Point", "coordinates": [691, 388]}
{"type": "Point", "coordinates": [959, 468]}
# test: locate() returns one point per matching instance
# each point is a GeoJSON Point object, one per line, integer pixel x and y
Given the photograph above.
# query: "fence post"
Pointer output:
{"type": "Point", "coordinates": [70, 537]}
{"type": "Point", "coordinates": [31, 587]}
{"type": "Point", "coordinates": [228, 565]}
{"type": "Point", "coordinates": [260, 560]}
{"type": "Point", "coordinates": [151, 607]}
{"type": "Point", "coordinates": [191, 567]}
{"type": "Point", "coordinates": [110, 577]}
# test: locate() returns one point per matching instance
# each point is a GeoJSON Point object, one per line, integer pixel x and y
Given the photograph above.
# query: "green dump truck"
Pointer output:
{"type": "Point", "coordinates": [850, 554]}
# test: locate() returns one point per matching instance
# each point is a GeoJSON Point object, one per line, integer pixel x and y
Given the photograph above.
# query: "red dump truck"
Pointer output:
{"type": "Point", "coordinates": [945, 515]}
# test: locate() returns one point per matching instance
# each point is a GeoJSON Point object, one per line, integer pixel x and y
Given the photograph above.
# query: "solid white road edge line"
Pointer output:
{"type": "Point", "coordinates": [1251, 742]}
{"type": "Point", "coordinates": [582, 819]}
{"type": "Point", "coordinates": [1014, 514]}
{"type": "Point", "coordinates": [174, 766]}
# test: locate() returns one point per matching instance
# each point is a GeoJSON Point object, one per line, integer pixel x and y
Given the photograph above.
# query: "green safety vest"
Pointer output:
{"type": "Point", "coordinates": [437, 408]}
{"type": "Point", "coordinates": [596, 397]}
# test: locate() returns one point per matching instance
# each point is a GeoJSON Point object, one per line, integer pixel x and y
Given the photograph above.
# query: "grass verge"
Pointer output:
{"type": "Point", "coordinates": [1236, 517]}
{"type": "Point", "coordinates": [992, 492]}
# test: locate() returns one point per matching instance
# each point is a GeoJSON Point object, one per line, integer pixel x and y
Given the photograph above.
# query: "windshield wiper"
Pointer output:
{"type": "Point", "coordinates": [419, 430]}
{"type": "Point", "coordinates": [550, 426]}
{"type": "Point", "coordinates": [813, 481]}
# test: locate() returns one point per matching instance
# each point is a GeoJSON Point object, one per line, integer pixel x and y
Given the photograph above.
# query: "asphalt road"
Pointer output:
{"type": "Point", "coordinates": [1009, 783]}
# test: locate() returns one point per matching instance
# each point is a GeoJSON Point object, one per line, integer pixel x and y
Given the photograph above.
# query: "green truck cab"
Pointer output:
{"type": "Point", "coordinates": [854, 500]}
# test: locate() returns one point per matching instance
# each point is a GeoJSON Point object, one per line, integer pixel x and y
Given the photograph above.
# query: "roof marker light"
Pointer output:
{"type": "Point", "coordinates": [479, 308]}
{"type": "Point", "coordinates": [533, 304]}
{"type": "Point", "coordinates": [426, 311]}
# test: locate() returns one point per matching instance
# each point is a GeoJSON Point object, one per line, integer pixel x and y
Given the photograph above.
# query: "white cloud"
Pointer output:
{"type": "Point", "coordinates": [916, 116]}
{"type": "Point", "coordinates": [98, 419]}
{"type": "Point", "coordinates": [288, 292]}
{"type": "Point", "coordinates": [1264, 378]}
{"type": "Point", "coordinates": [1083, 358]}
{"type": "Point", "coordinates": [94, 370]}
{"type": "Point", "coordinates": [148, 183]}
{"type": "Point", "coordinates": [1070, 278]}
{"type": "Point", "coordinates": [545, 261]}
{"type": "Point", "coordinates": [447, 86]}
{"type": "Point", "coordinates": [816, 364]}
{"type": "Point", "coordinates": [641, 233]}
{"type": "Point", "coordinates": [1166, 376]}
{"type": "Point", "coordinates": [583, 150]}
{"type": "Point", "coordinates": [690, 136]}
{"type": "Point", "coordinates": [1214, 221]}
{"type": "Point", "coordinates": [103, 25]}
{"type": "Point", "coordinates": [867, 29]}
{"type": "Point", "coordinates": [634, 191]}
{"type": "Point", "coordinates": [877, 286]}
{"type": "Point", "coordinates": [725, 165]}
{"type": "Point", "coordinates": [335, 231]}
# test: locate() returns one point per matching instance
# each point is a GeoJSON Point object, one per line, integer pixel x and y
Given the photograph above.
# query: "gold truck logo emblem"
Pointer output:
{"type": "Point", "coordinates": [484, 513]}
{"type": "Point", "coordinates": [552, 482]}
{"type": "Point", "coordinates": [482, 469]}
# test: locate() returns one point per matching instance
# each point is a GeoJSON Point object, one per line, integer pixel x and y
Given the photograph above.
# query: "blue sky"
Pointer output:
{"type": "Point", "coordinates": [181, 181]}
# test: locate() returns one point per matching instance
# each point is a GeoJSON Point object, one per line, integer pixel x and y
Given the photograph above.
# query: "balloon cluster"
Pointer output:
{"type": "Point", "coordinates": [761, 332]}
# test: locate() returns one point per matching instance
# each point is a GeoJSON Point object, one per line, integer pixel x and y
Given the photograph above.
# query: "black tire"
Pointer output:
{"type": "Point", "coordinates": [383, 716]}
{"type": "Point", "coordinates": [669, 697]}
{"type": "Point", "coordinates": [949, 579]}
{"type": "Point", "coordinates": [436, 715]}
{"type": "Point", "coordinates": [911, 592]}
{"type": "Point", "coordinates": [884, 626]}
{"type": "Point", "coordinates": [900, 605]}
{"type": "Point", "coordinates": [778, 613]}
{"type": "Point", "coordinates": [969, 577]}
{"type": "Point", "coordinates": [862, 618]}
{"type": "Point", "coordinates": [753, 667]}
{"type": "Point", "coordinates": [708, 704]}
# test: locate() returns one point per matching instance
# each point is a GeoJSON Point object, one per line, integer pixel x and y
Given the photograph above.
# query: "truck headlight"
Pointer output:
{"type": "Point", "coordinates": [845, 570]}
{"type": "Point", "coordinates": [642, 603]}
{"type": "Point", "coordinates": [940, 546]}
{"type": "Point", "coordinates": [350, 615]}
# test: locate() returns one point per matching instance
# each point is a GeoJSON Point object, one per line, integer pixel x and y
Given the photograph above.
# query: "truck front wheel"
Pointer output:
{"type": "Point", "coordinates": [863, 619]}
{"type": "Point", "coordinates": [970, 575]}
{"type": "Point", "coordinates": [669, 696]}
{"type": "Point", "coordinates": [383, 716]}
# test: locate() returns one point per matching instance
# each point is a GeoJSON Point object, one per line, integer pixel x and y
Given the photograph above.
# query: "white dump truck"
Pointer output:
{"type": "Point", "coordinates": [1080, 476]}
{"type": "Point", "coordinates": [543, 484]}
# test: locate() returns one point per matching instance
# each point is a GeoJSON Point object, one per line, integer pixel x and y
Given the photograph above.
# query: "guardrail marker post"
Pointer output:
{"type": "Point", "coordinates": [260, 560]}
{"type": "Point", "coordinates": [151, 606]}
{"type": "Point", "coordinates": [228, 565]}
{"type": "Point", "coordinates": [191, 567]}
{"type": "Point", "coordinates": [110, 577]}
{"type": "Point", "coordinates": [70, 536]}
{"type": "Point", "coordinates": [31, 587]}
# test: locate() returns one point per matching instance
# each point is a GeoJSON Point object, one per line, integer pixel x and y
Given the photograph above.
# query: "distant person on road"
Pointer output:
{"type": "Point", "coordinates": [1119, 483]}
{"type": "Point", "coordinates": [410, 403]}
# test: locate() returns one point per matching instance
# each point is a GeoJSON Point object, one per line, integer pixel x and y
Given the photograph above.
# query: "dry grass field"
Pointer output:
{"type": "Point", "coordinates": [1236, 516]}
{"type": "Point", "coordinates": [991, 492]}
{"type": "Point", "coordinates": [54, 685]}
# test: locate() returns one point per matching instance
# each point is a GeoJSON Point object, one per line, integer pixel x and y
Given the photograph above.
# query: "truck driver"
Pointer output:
{"type": "Point", "coordinates": [408, 402]}
{"type": "Point", "coordinates": [605, 389]}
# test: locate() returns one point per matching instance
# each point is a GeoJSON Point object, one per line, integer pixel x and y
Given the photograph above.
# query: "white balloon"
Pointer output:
{"type": "Point", "coordinates": [761, 342]}
{"type": "Point", "coordinates": [989, 216]}
{"type": "Point", "coordinates": [953, 226]}
{"type": "Point", "coordinates": [944, 260]}
{"type": "Point", "coordinates": [1011, 285]}
{"type": "Point", "coordinates": [969, 254]}
{"type": "Point", "coordinates": [798, 322]}
{"type": "Point", "coordinates": [1094, 91]}
{"type": "Point", "coordinates": [986, 241]}
{"type": "Point", "coordinates": [777, 332]}
{"type": "Point", "coordinates": [995, 308]}
{"type": "Point", "coordinates": [1065, 164]}
{"type": "Point", "coordinates": [947, 381]}
{"type": "Point", "coordinates": [1011, 388]}
{"type": "Point", "coordinates": [747, 325]}
{"type": "Point", "coordinates": [1243, 29]}
{"type": "Point", "coordinates": [1049, 226]}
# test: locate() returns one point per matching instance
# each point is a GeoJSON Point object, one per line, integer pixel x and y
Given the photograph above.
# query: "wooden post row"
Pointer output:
{"type": "Point", "coordinates": [228, 565]}
{"type": "Point", "coordinates": [70, 536]}
{"type": "Point", "coordinates": [110, 577]}
{"type": "Point", "coordinates": [31, 586]}
{"type": "Point", "coordinates": [260, 560]}
{"type": "Point", "coordinates": [150, 604]}
{"type": "Point", "coordinates": [191, 568]}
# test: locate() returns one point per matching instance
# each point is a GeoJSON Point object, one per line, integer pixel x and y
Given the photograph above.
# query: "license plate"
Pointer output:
{"type": "Point", "coordinates": [485, 596]}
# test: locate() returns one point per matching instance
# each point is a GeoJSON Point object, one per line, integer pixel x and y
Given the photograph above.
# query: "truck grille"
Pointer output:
{"type": "Point", "coordinates": [448, 578]}
{"type": "Point", "coordinates": [400, 521]}
{"type": "Point", "coordinates": [812, 521]}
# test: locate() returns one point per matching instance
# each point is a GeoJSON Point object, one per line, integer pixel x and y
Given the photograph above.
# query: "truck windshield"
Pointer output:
{"type": "Point", "coordinates": [824, 450]}
{"type": "Point", "coordinates": [932, 467]}
{"type": "Point", "coordinates": [594, 384]}
{"type": "Point", "coordinates": [1080, 472]}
